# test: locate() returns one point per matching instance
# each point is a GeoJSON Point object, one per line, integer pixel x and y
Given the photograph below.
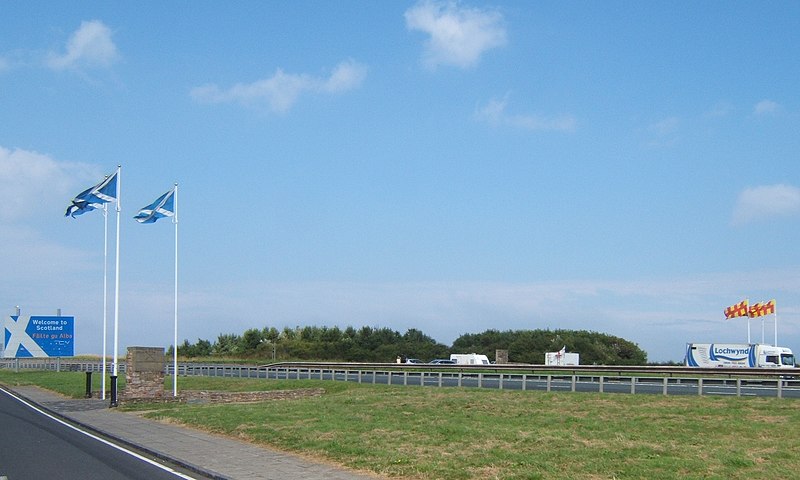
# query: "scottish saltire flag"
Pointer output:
{"type": "Point", "coordinates": [94, 197]}
{"type": "Point", "coordinates": [164, 206]}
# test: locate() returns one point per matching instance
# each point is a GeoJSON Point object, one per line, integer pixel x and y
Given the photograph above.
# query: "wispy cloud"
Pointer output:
{"type": "Point", "coordinates": [766, 201]}
{"type": "Point", "coordinates": [458, 35]}
{"type": "Point", "coordinates": [665, 127]}
{"type": "Point", "coordinates": [766, 107]}
{"type": "Point", "coordinates": [720, 109]}
{"type": "Point", "coordinates": [90, 46]}
{"type": "Point", "coordinates": [663, 133]}
{"type": "Point", "coordinates": [281, 90]}
{"type": "Point", "coordinates": [494, 113]}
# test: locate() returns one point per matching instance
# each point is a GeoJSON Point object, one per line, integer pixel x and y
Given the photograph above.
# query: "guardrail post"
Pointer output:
{"type": "Point", "coordinates": [549, 381]}
{"type": "Point", "coordinates": [780, 387]}
{"type": "Point", "coordinates": [738, 387]}
{"type": "Point", "coordinates": [666, 384]}
{"type": "Point", "coordinates": [700, 386]}
{"type": "Point", "coordinates": [574, 382]}
{"type": "Point", "coordinates": [633, 385]}
{"type": "Point", "coordinates": [524, 381]}
{"type": "Point", "coordinates": [602, 380]}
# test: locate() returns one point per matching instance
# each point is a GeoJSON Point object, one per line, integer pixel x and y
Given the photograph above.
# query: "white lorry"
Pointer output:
{"type": "Point", "coordinates": [469, 359]}
{"type": "Point", "coordinates": [562, 358]}
{"type": "Point", "coordinates": [738, 355]}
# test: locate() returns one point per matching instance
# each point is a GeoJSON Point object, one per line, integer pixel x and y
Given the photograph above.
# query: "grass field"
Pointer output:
{"type": "Point", "coordinates": [450, 433]}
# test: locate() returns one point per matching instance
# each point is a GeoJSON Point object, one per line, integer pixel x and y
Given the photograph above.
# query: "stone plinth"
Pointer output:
{"type": "Point", "coordinates": [144, 374]}
{"type": "Point", "coordinates": [501, 357]}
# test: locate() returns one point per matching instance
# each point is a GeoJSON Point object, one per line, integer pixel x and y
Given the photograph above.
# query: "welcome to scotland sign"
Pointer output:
{"type": "Point", "coordinates": [39, 336]}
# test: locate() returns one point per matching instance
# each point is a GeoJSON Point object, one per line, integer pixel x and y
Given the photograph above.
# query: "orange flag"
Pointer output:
{"type": "Point", "coordinates": [741, 309]}
{"type": "Point", "coordinates": [768, 308]}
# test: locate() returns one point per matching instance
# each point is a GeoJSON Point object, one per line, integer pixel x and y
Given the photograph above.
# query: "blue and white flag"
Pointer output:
{"type": "Point", "coordinates": [164, 206]}
{"type": "Point", "coordinates": [94, 197]}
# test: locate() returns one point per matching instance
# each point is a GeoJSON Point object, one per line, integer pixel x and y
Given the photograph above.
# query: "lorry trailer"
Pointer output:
{"type": "Point", "coordinates": [738, 355]}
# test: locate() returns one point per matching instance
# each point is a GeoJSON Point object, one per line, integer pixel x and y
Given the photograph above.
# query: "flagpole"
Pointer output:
{"type": "Point", "coordinates": [116, 297]}
{"type": "Point", "coordinates": [748, 322]}
{"type": "Point", "coordinates": [776, 325]}
{"type": "Point", "coordinates": [175, 339]}
{"type": "Point", "coordinates": [105, 298]}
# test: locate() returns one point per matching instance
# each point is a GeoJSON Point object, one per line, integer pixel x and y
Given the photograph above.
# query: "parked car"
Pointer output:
{"type": "Point", "coordinates": [414, 360]}
{"type": "Point", "coordinates": [442, 361]}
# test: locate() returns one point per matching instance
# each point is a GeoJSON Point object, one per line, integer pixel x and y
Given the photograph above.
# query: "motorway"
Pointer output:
{"type": "Point", "coordinates": [38, 445]}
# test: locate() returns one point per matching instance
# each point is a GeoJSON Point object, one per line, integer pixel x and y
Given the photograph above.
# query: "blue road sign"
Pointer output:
{"type": "Point", "coordinates": [39, 336]}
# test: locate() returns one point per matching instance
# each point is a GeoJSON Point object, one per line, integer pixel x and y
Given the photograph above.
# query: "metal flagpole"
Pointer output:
{"type": "Point", "coordinates": [116, 298]}
{"type": "Point", "coordinates": [105, 298]}
{"type": "Point", "coordinates": [175, 339]}
{"type": "Point", "coordinates": [748, 321]}
{"type": "Point", "coordinates": [775, 314]}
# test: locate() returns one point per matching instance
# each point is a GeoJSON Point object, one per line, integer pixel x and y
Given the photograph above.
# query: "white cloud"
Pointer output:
{"type": "Point", "coordinates": [494, 113]}
{"type": "Point", "coordinates": [766, 107]}
{"type": "Point", "coordinates": [346, 76]}
{"type": "Point", "coordinates": [458, 35]}
{"type": "Point", "coordinates": [766, 201]}
{"type": "Point", "coordinates": [29, 180]}
{"type": "Point", "coordinates": [281, 90]}
{"type": "Point", "coordinates": [89, 46]}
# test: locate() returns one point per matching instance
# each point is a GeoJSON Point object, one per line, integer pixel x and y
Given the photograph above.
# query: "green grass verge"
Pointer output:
{"type": "Point", "coordinates": [450, 433]}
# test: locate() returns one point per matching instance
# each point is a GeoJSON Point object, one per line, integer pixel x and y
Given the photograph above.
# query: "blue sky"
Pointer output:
{"type": "Point", "coordinates": [624, 167]}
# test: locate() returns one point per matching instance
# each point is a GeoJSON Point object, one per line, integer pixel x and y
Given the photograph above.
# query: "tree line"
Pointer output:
{"type": "Point", "coordinates": [372, 344]}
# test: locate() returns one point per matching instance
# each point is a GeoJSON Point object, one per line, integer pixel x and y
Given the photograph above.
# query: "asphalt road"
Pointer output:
{"type": "Point", "coordinates": [36, 445]}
